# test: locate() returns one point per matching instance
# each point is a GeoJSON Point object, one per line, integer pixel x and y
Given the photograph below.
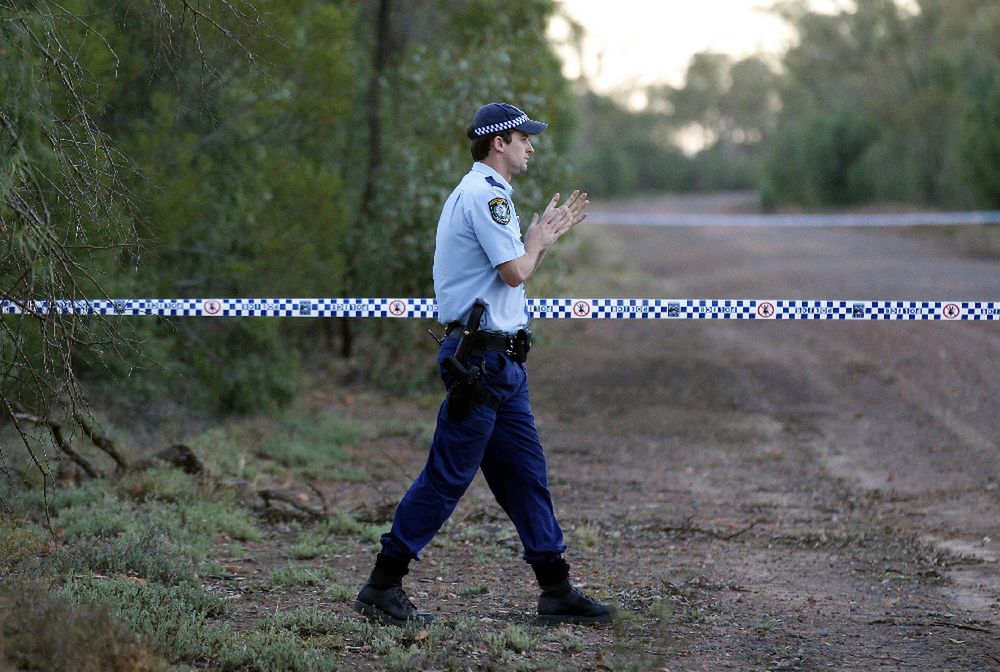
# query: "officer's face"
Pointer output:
{"type": "Point", "coordinates": [517, 152]}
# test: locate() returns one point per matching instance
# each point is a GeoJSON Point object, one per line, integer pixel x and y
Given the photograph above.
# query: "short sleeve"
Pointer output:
{"type": "Point", "coordinates": [495, 225]}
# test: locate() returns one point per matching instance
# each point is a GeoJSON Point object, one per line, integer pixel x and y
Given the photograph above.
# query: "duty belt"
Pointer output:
{"type": "Point", "coordinates": [485, 340]}
{"type": "Point", "coordinates": [515, 345]}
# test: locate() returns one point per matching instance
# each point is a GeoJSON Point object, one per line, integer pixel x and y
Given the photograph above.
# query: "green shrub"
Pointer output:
{"type": "Point", "coordinates": [49, 632]}
{"type": "Point", "coordinates": [150, 555]}
{"type": "Point", "coordinates": [19, 539]}
{"type": "Point", "coordinates": [295, 576]}
{"type": "Point", "coordinates": [172, 619]}
{"type": "Point", "coordinates": [311, 442]}
{"type": "Point", "coordinates": [979, 148]}
{"type": "Point", "coordinates": [161, 483]}
{"type": "Point", "coordinates": [305, 622]}
{"type": "Point", "coordinates": [273, 652]}
{"type": "Point", "coordinates": [103, 516]}
{"type": "Point", "coordinates": [159, 540]}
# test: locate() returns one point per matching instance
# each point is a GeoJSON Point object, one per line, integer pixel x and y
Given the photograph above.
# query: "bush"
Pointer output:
{"type": "Point", "coordinates": [48, 632]}
{"type": "Point", "coordinates": [820, 161]}
{"type": "Point", "coordinates": [979, 147]}
{"type": "Point", "coordinates": [172, 619]}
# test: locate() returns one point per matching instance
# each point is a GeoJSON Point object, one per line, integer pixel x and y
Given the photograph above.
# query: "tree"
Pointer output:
{"type": "Point", "coordinates": [228, 140]}
{"type": "Point", "coordinates": [68, 213]}
{"type": "Point", "coordinates": [907, 71]}
{"type": "Point", "coordinates": [980, 149]}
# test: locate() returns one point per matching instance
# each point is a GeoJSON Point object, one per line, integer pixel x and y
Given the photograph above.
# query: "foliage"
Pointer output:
{"type": "Point", "coordinates": [43, 630]}
{"type": "Point", "coordinates": [140, 559]}
{"type": "Point", "coordinates": [175, 149]}
{"type": "Point", "coordinates": [624, 152]}
{"type": "Point", "coordinates": [877, 93]}
{"type": "Point", "coordinates": [726, 107]}
{"type": "Point", "coordinates": [821, 163]}
{"type": "Point", "coordinates": [980, 149]}
{"type": "Point", "coordinates": [878, 100]}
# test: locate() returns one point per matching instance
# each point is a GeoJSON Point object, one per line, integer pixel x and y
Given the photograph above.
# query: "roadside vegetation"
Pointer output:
{"type": "Point", "coordinates": [243, 563]}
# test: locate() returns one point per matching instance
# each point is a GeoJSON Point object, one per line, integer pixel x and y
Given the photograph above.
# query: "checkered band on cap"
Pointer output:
{"type": "Point", "coordinates": [496, 128]}
{"type": "Point", "coordinates": [499, 117]}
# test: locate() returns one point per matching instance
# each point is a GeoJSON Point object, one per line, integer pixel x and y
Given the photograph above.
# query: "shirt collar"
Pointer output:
{"type": "Point", "coordinates": [480, 167]}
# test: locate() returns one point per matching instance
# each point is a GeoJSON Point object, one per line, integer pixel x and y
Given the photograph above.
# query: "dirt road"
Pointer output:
{"type": "Point", "coordinates": [754, 495]}
{"type": "Point", "coordinates": [797, 495]}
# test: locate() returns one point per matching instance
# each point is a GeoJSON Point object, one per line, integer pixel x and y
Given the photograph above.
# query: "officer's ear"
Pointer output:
{"type": "Point", "coordinates": [497, 143]}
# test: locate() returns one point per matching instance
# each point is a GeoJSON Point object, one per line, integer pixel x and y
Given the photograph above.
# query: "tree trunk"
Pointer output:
{"type": "Point", "coordinates": [383, 49]}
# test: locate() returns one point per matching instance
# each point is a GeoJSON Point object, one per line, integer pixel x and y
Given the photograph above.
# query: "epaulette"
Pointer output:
{"type": "Point", "coordinates": [492, 180]}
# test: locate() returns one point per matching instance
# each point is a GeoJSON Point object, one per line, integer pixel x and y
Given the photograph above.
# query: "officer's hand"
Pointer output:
{"type": "Point", "coordinates": [575, 208]}
{"type": "Point", "coordinates": [577, 205]}
{"type": "Point", "coordinates": [550, 226]}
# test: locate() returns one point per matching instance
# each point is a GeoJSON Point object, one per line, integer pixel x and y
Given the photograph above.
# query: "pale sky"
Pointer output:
{"type": "Point", "coordinates": [634, 43]}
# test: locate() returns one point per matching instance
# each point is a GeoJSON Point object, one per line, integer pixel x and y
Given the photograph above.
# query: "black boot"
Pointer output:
{"type": "Point", "coordinates": [382, 598]}
{"type": "Point", "coordinates": [560, 602]}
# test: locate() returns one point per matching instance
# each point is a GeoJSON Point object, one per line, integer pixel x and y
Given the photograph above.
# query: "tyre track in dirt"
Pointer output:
{"type": "Point", "coordinates": [810, 495]}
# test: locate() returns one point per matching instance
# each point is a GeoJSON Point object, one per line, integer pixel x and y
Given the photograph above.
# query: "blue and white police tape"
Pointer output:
{"type": "Point", "coordinates": [616, 309]}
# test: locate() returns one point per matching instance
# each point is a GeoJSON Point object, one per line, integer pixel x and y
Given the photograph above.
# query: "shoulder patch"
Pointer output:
{"type": "Point", "coordinates": [492, 180]}
{"type": "Point", "coordinates": [500, 211]}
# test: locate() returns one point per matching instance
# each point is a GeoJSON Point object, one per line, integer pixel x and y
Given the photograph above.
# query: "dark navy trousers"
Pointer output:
{"type": "Point", "coordinates": [504, 444]}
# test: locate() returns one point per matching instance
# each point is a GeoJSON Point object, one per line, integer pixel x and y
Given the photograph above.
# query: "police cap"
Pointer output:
{"type": "Point", "coordinates": [497, 117]}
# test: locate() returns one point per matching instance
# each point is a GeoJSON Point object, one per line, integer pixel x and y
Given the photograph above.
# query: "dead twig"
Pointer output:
{"type": "Point", "coordinates": [687, 528]}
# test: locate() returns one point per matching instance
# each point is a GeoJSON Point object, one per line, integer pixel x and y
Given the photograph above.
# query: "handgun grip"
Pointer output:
{"type": "Point", "coordinates": [471, 327]}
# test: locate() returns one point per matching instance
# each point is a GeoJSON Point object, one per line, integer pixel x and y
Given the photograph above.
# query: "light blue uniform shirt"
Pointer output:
{"type": "Point", "coordinates": [479, 230]}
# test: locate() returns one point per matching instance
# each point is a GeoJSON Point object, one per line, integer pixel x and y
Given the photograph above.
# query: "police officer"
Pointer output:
{"type": "Point", "coordinates": [480, 255]}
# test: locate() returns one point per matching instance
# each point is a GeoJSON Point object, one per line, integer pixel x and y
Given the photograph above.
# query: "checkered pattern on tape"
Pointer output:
{"type": "Point", "coordinates": [818, 310]}
{"type": "Point", "coordinates": [980, 310]}
{"type": "Point", "coordinates": [690, 309]}
{"type": "Point", "coordinates": [905, 310]}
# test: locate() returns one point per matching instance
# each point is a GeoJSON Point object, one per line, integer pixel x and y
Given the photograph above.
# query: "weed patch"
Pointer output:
{"type": "Point", "coordinates": [516, 638]}
{"type": "Point", "coordinates": [273, 652]}
{"type": "Point", "coordinates": [298, 576]}
{"type": "Point", "coordinates": [311, 443]}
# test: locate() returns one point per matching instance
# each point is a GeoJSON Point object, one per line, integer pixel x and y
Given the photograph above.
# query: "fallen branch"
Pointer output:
{"type": "Point", "coordinates": [687, 528]}
{"type": "Point", "coordinates": [56, 430]}
{"type": "Point", "coordinates": [299, 509]}
{"type": "Point", "coordinates": [322, 499]}
{"type": "Point", "coordinates": [929, 624]}
{"type": "Point", "coordinates": [102, 442]}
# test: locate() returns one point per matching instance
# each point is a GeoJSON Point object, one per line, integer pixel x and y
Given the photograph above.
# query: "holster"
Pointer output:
{"type": "Point", "coordinates": [466, 391]}
{"type": "Point", "coordinates": [464, 396]}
